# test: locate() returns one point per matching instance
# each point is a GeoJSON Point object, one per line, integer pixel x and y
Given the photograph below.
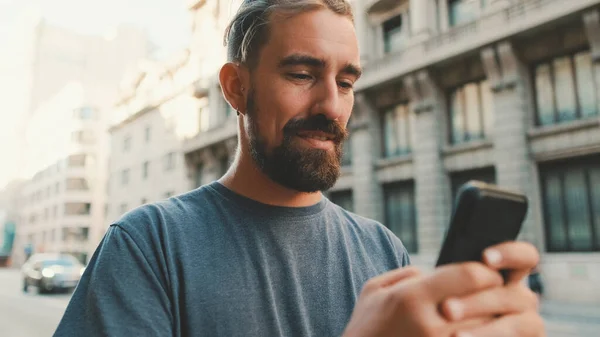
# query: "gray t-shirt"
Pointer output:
{"type": "Point", "coordinates": [214, 263]}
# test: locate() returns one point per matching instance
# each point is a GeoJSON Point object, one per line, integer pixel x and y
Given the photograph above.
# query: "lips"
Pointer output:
{"type": "Point", "coordinates": [318, 135]}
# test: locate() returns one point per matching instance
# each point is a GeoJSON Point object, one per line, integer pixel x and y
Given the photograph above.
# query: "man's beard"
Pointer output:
{"type": "Point", "coordinates": [288, 164]}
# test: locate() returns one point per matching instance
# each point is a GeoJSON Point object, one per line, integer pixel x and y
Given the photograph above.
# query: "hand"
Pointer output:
{"type": "Point", "coordinates": [515, 301]}
{"type": "Point", "coordinates": [404, 302]}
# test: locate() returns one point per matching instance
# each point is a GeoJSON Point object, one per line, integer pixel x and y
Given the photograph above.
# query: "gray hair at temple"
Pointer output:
{"type": "Point", "coordinates": [249, 29]}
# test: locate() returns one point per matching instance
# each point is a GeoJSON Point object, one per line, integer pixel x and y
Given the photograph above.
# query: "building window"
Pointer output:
{"type": "Point", "coordinates": [457, 179]}
{"type": "Point", "coordinates": [145, 168]}
{"type": "Point", "coordinates": [571, 201]}
{"type": "Point", "coordinates": [393, 34]}
{"type": "Point", "coordinates": [169, 161]}
{"type": "Point", "coordinates": [463, 11]}
{"type": "Point", "coordinates": [347, 152]}
{"type": "Point", "coordinates": [126, 143]}
{"type": "Point", "coordinates": [77, 160]}
{"type": "Point", "coordinates": [169, 194]}
{"type": "Point", "coordinates": [76, 184]}
{"type": "Point", "coordinates": [471, 112]}
{"type": "Point", "coordinates": [144, 201]}
{"type": "Point", "coordinates": [147, 133]}
{"type": "Point", "coordinates": [566, 89]}
{"type": "Point", "coordinates": [343, 199]}
{"type": "Point", "coordinates": [125, 177]}
{"type": "Point", "coordinates": [228, 110]}
{"type": "Point", "coordinates": [78, 208]}
{"type": "Point", "coordinates": [84, 113]}
{"type": "Point", "coordinates": [57, 188]}
{"type": "Point", "coordinates": [400, 213]}
{"type": "Point", "coordinates": [396, 122]}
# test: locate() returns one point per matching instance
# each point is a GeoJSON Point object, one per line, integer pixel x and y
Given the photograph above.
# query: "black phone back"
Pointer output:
{"type": "Point", "coordinates": [484, 215]}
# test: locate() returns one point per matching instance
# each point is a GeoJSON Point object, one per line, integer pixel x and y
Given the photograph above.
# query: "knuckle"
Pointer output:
{"type": "Point", "coordinates": [476, 274]}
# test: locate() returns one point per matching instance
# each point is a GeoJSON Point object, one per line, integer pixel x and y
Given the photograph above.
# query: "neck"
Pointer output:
{"type": "Point", "coordinates": [245, 178]}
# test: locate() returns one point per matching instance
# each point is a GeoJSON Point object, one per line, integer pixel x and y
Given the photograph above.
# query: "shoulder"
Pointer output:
{"type": "Point", "coordinates": [372, 233]}
{"type": "Point", "coordinates": [165, 218]}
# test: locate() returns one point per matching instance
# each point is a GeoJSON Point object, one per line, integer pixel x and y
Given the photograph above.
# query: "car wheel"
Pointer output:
{"type": "Point", "coordinates": [43, 288]}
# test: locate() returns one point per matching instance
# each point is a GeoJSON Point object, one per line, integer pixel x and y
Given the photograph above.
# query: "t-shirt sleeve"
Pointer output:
{"type": "Point", "coordinates": [119, 294]}
{"type": "Point", "coordinates": [399, 249]}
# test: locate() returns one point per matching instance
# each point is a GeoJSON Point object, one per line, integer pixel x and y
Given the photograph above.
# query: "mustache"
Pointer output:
{"type": "Point", "coordinates": [317, 123]}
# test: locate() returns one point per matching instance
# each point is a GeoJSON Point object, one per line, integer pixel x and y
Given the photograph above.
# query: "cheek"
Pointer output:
{"type": "Point", "coordinates": [279, 105]}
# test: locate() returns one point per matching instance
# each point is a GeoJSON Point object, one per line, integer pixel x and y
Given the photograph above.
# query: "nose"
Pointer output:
{"type": "Point", "coordinates": [327, 101]}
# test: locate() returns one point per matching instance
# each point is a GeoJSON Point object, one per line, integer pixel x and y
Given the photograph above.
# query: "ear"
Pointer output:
{"type": "Point", "coordinates": [234, 84]}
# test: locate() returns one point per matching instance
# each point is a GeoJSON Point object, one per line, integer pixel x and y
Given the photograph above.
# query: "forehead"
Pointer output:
{"type": "Point", "coordinates": [319, 33]}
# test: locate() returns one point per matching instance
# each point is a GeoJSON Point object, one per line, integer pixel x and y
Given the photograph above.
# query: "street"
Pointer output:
{"type": "Point", "coordinates": [27, 315]}
{"type": "Point", "coordinates": [34, 315]}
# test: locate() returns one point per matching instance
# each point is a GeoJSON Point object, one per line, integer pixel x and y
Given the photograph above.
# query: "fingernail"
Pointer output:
{"type": "Point", "coordinates": [493, 256]}
{"type": "Point", "coordinates": [455, 308]}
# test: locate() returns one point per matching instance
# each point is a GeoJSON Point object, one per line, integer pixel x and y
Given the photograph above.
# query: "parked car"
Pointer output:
{"type": "Point", "coordinates": [50, 272]}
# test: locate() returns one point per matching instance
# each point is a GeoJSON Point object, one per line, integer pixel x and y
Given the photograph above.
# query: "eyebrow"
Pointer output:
{"type": "Point", "coordinates": [311, 61]}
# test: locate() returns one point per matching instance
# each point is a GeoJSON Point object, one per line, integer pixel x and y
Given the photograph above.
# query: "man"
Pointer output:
{"type": "Point", "coordinates": [261, 252]}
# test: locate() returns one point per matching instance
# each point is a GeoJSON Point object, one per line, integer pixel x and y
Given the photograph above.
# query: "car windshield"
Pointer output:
{"type": "Point", "coordinates": [59, 262]}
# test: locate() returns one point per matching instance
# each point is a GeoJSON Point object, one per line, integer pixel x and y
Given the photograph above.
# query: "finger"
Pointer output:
{"type": "Point", "coordinates": [456, 280]}
{"type": "Point", "coordinates": [392, 277]}
{"type": "Point", "coordinates": [518, 257]}
{"type": "Point", "coordinates": [525, 324]}
{"type": "Point", "coordinates": [506, 300]}
{"type": "Point", "coordinates": [467, 324]}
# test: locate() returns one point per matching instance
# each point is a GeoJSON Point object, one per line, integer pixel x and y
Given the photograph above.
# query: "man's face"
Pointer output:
{"type": "Point", "coordinates": [301, 98]}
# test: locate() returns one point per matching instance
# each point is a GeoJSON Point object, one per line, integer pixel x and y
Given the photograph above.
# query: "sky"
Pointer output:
{"type": "Point", "coordinates": [167, 23]}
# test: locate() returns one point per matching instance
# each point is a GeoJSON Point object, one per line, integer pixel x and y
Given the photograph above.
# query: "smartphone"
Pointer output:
{"type": "Point", "coordinates": [483, 215]}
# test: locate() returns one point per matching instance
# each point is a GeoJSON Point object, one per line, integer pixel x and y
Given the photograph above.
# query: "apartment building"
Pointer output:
{"type": "Point", "coordinates": [61, 205]}
{"type": "Point", "coordinates": [503, 91]}
{"type": "Point", "coordinates": [161, 107]}
{"type": "Point", "coordinates": [72, 80]}
{"type": "Point", "coordinates": [156, 111]}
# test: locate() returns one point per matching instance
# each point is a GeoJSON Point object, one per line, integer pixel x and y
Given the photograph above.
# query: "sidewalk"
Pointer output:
{"type": "Point", "coordinates": [571, 320]}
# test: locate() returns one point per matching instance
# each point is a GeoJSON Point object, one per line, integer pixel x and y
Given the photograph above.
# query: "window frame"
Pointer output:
{"type": "Point", "coordinates": [560, 168]}
{"type": "Point", "coordinates": [449, 115]}
{"type": "Point", "coordinates": [549, 61]}
{"type": "Point", "coordinates": [402, 186]}
{"type": "Point", "coordinates": [382, 123]}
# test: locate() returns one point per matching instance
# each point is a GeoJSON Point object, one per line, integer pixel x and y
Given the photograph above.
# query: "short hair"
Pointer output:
{"type": "Point", "coordinates": [248, 31]}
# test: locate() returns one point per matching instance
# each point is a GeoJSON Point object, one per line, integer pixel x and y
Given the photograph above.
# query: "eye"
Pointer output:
{"type": "Point", "coordinates": [300, 76]}
{"type": "Point", "coordinates": [346, 85]}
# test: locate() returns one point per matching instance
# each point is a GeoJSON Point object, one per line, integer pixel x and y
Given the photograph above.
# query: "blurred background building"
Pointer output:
{"type": "Point", "coordinates": [73, 82]}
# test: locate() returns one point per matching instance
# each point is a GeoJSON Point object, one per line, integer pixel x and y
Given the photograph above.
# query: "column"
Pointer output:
{"type": "Point", "coordinates": [515, 169]}
{"type": "Point", "coordinates": [368, 195]}
{"type": "Point", "coordinates": [431, 181]}
{"type": "Point", "coordinates": [363, 32]}
{"type": "Point", "coordinates": [419, 13]}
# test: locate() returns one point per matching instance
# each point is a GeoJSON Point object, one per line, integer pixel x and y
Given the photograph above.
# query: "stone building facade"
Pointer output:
{"type": "Point", "coordinates": [503, 91]}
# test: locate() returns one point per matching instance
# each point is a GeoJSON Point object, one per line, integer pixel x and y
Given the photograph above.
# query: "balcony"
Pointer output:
{"type": "Point", "coordinates": [211, 136]}
{"type": "Point", "coordinates": [518, 17]}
